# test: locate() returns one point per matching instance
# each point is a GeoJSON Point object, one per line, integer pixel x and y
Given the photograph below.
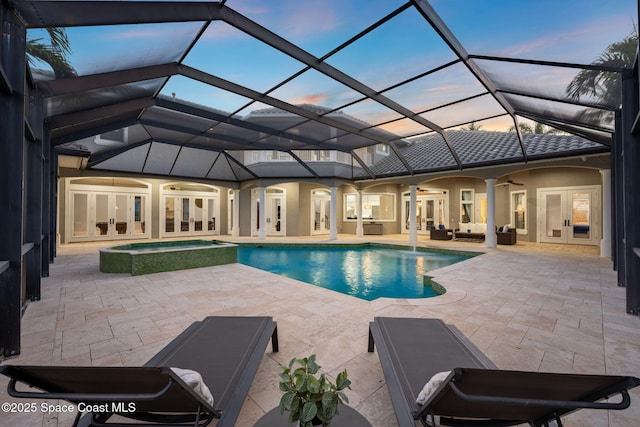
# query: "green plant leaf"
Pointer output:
{"type": "Point", "coordinates": [285, 377]}
{"type": "Point", "coordinates": [295, 404]}
{"type": "Point", "coordinates": [341, 381]}
{"type": "Point", "coordinates": [329, 399]}
{"type": "Point", "coordinates": [285, 402]}
{"type": "Point", "coordinates": [343, 397]}
{"type": "Point", "coordinates": [309, 411]}
{"type": "Point", "coordinates": [313, 385]}
{"type": "Point", "coordinates": [285, 387]}
{"type": "Point", "coordinates": [301, 384]}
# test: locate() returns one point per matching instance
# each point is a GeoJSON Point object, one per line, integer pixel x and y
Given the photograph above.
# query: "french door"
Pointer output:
{"type": "Point", "coordinates": [320, 212]}
{"type": "Point", "coordinates": [101, 215]}
{"type": "Point", "coordinates": [569, 215]}
{"type": "Point", "coordinates": [189, 215]}
{"type": "Point", "coordinates": [274, 210]}
{"type": "Point", "coordinates": [430, 212]}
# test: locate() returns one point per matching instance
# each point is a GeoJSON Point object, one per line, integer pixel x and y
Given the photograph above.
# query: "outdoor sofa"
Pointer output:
{"type": "Point", "coordinates": [508, 237]}
{"type": "Point", "coordinates": [458, 385]}
{"type": "Point", "coordinates": [440, 233]}
{"type": "Point", "coordinates": [225, 351]}
{"type": "Point", "coordinates": [470, 231]}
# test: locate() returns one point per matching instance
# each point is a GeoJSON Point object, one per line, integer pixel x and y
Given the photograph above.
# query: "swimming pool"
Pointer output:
{"type": "Point", "coordinates": [364, 271]}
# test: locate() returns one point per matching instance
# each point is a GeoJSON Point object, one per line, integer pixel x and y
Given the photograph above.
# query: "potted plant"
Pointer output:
{"type": "Point", "coordinates": [311, 400]}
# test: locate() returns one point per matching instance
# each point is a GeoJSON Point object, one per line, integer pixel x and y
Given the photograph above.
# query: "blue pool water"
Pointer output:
{"type": "Point", "coordinates": [364, 272]}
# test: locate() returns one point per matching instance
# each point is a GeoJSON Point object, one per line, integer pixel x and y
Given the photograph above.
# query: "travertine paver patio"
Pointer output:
{"type": "Point", "coordinates": [530, 307]}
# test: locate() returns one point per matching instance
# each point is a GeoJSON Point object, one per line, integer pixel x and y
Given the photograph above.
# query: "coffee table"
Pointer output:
{"type": "Point", "coordinates": [347, 417]}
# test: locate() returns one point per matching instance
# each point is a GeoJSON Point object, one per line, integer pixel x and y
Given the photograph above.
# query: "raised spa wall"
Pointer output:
{"type": "Point", "coordinates": [146, 258]}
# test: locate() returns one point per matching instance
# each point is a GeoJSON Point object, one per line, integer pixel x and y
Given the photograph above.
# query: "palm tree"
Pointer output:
{"type": "Point", "coordinates": [537, 128]}
{"type": "Point", "coordinates": [54, 53]}
{"type": "Point", "coordinates": [472, 126]}
{"type": "Point", "coordinates": [605, 86]}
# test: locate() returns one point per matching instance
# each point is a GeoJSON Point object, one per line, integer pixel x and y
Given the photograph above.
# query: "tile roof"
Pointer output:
{"type": "Point", "coordinates": [430, 153]}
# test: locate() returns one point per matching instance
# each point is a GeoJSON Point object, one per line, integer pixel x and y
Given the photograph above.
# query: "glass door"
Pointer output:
{"type": "Point", "coordinates": [139, 214]}
{"type": "Point", "coordinates": [567, 216]}
{"type": "Point", "coordinates": [321, 212]}
{"type": "Point", "coordinates": [120, 214]}
{"type": "Point", "coordinates": [100, 210]}
{"type": "Point", "coordinates": [430, 211]}
{"type": "Point", "coordinates": [80, 216]}
{"type": "Point", "coordinates": [104, 216]}
{"type": "Point", "coordinates": [189, 214]}
{"type": "Point", "coordinates": [274, 212]}
{"type": "Point", "coordinates": [580, 224]}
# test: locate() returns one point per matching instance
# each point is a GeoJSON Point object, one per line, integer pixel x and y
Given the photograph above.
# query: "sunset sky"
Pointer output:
{"type": "Point", "coordinates": [568, 31]}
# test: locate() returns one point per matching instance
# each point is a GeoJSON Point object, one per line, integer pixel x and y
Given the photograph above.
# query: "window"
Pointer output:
{"type": "Point", "coordinates": [382, 149]}
{"type": "Point", "coordinates": [519, 211]}
{"type": "Point", "coordinates": [481, 208]}
{"type": "Point", "coordinates": [466, 205]}
{"type": "Point", "coordinates": [379, 207]}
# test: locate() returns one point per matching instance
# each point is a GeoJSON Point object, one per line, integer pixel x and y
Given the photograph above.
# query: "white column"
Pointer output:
{"type": "Point", "coordinates": [262, 231]}
{"type": "Point", "coordinates": [413, 228]}
{"type": "Point", "coordinates": [359, 229]}
{"type": "Point", "coordinates": [236, 213]}
{"type": "Point", "coordinates": [605, 243]}
{"type": "Point", "coordinates": [333, 224]}
{"type": "Point", "coordinates": [490, 236]}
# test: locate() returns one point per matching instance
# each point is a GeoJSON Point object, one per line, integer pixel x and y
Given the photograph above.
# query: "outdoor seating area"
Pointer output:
{"type": "Point", "coordinates": [508, 237]}
{"type": "Point", "coordinates": [503, 323]}
{"type": "Point", "coordinates": [440, 233]}
{"type": "Point", "coordinates": [432, 370]}
{"type": "Point", "coordinates": [218, 353]}
{"type": "Point", "coordinates": [470, 231]}
{"type": "Point", "coordinates": [459, 183]}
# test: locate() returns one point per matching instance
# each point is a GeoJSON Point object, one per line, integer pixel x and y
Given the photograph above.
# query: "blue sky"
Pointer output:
{"type": "Point", "coordinates": [551, 30]}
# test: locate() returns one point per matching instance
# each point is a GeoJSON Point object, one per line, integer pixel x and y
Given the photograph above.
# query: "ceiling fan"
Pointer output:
{"type": "Point", "coordinates": [509, 182]}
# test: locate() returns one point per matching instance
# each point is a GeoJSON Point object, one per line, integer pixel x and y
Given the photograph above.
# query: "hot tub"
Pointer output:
{"type": "Point", "coordinates": [154, 257]}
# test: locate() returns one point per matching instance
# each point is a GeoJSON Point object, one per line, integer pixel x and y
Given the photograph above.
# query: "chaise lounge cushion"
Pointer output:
{"type": "Point", "coordinates": [472, 227]}
{"type": "Point", "coordinates": [194, 380]}
{"type": "Point", "coordinates": [431, 386]}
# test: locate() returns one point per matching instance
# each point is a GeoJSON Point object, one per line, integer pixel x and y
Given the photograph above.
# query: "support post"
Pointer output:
{"type": "Point", "coordinates": [235, 232]}
{"type": "Point", "coordinates": [605, 243]}
{"type": "Point", "coordinates": [262, 221]}
{"type": "Point", "coordinates": [631, 191]}
{"type": "Point", "coordinates": [491, 238]}
{"type": "Point", "coordinates": [413, 227]}
{"type": "Point", "coordinates": [359, 227]}
{"type": "Point", "coordinates": [12, 139]}
{"type": "Point", "coordinates": [333, 225]}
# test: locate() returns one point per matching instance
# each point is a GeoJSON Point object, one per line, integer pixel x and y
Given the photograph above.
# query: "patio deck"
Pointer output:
{"type": "Point", "coordinates": [528, 306]}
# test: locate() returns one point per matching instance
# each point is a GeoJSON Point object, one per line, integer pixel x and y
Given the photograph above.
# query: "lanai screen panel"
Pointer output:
{"type": "Point", "coordinates": [101, 49]}
{"type": "Point", "coordinates": [316, 89]}
{"type": "Point", "coordinates": [572, 114]}
{"type": "Point", "coordinates": [349, 76]}
{"type": "Point", "coordinates": [548, 30]}
{"type": "Point", "coordinates": [161, 158]}
{"type": "Point", "coordinates": [228, 53]}
{"type": "Point", "coordinates": [129, 161]}
{"type": "Point", "coordinates": [438, 88]}
{"type": "Point", "coordinates": [94, 98]}
{"type": "Point", "coordinates": [398, 50]}
{"type": "Point", "coordinates": [197, 94]}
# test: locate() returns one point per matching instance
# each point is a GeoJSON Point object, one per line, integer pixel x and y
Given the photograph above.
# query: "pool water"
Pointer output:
{"type": "Point", "coordinates": [364, 272]}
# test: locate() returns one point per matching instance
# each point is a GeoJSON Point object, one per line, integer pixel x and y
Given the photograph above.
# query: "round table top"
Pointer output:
{"type": "Point", "coordinates": [347, 417]}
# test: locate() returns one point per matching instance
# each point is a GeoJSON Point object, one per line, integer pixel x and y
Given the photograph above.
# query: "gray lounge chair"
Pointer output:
{"type": "Point", "coordinates": [475, 393]}
{"type": "Point", "coordinates": [226, 351]}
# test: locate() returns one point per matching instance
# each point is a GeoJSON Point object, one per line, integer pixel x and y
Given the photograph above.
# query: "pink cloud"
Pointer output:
{"type": "Point", "coordinates": [315, 99]}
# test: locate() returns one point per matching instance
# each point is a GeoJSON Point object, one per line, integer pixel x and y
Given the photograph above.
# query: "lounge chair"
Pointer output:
{"type": "Point", "coordinates": [471, 391]}
{"type": "Point", "coordinates": [226, 351]}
